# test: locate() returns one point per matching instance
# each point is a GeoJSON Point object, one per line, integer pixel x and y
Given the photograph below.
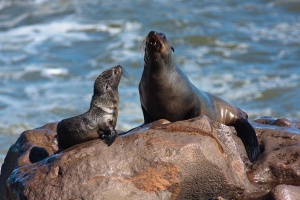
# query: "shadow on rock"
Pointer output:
{"type": "Point", "coordinates": [192, 159]}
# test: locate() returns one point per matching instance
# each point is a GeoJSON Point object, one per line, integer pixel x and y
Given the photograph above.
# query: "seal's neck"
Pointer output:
{"type": "Point", "coordinates": [158, 62]}
{"type": "Point", "coordinates": [110, 98]}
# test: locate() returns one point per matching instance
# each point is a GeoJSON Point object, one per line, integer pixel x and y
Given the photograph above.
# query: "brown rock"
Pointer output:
{"type": "Point", "coordinates": [193, 159]}
{"type": "Point", "coordinates": [280, 161]}
{"type": "Point", "coordinates": [288, 122]}
{"type": "Point", "coordinates": [285, 192]}
{"type": "Point", "coordinates": [18, 153]}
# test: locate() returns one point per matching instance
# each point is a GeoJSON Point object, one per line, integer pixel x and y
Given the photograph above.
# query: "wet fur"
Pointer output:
{"type": "Point", "coordinates": [166, 93]}
{"type": "Point", "coordinates": [100, 120]}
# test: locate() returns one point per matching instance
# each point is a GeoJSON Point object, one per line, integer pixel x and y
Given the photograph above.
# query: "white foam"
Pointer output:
{"type": "Point", "coordinates": [50, 72]}
{"type": "Point", "coordinates": [41, 32]}
{"type": "Point", "coordinates": [283, 32]}
{"type": "Point", "coordinates": [63, 33]}
{"type": "Point", "coordinates": [250, 87]}
{"type": "Point", "coordinates": [15, 74]}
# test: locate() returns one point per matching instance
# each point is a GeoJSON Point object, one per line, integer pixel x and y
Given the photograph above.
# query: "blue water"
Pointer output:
{"type": "Point", "coordinates": [51, 51]}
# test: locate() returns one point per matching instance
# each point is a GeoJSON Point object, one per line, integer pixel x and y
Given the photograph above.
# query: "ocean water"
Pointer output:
{"type": "Point", "coordinates": [51, 51]}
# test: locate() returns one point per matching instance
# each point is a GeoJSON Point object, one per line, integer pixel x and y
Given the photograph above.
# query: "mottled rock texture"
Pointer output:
{"type": "Point", "coordinates": [193, 159]}
{"type": "Point", "coordinates": [18, 154]}
{"type": "Point", "coordinates": [189, 159]}
{"type": "Point", "coordinates": [283, 122]}
{"type": "Point", "coordinates": [280, 161]}
{"type": "Point", "coordinates": [285, 192]}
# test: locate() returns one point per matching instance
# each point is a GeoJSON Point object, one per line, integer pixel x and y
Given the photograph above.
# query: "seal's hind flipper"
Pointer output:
{"type": "Point", "coordinates": [246, 132]}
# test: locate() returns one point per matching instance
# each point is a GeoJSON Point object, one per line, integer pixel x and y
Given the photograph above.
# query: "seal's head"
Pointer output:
{"type": "Point", "coordinates": [157, 47]}
{"type": "Point", "coordinates": [107, 82]}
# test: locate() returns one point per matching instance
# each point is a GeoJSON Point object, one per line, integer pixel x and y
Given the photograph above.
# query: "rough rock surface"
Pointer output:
{"type": "Point", "coordinates": [285, 192]}
{"type": "Point", "coordinates": [159, 161]}
{"type": "Point", "coordinates": [18, 154]}
{"type": "Point", "coordinates": [193, 159]}
{"type": "Point", "coordinates": [280, 160]}
{"type": "Point", "coordinates": [284, 122]}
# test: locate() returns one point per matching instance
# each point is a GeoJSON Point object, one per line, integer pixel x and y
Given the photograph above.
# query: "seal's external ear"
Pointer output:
{"type": "Point", "coordinates": [173, 49]}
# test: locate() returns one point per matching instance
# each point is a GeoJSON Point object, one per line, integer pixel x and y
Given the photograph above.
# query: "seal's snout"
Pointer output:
{"type": "Point", "coordinates": [153, 41]}
{"type": "Point", "coordinates": [152, 33]}
{"type": "Point", "coordinates": [117, 71]}
{"type": "Point", "coordinates": [152, 38]}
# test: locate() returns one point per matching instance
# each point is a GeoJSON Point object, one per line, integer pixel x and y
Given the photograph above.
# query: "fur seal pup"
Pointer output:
{"type": "Point", "coordinates": [166, 93]}
{"type": "Point", "coordinates": [100, 120]}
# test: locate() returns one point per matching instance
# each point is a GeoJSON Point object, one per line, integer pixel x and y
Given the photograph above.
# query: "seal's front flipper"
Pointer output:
{"type": "Point", "coordinates": [246, 132]}
{"type": "Point", "coordinates": [109, 138]}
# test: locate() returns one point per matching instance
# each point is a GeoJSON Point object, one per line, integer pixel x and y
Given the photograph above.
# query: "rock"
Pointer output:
{"type": "Point", "coordinates": [193, 159]}
{"type": "Point", "coordinates": [285, 192]}
{"type": "Point", "coordinates": [18, 153]}
{"type": "Point", "coordinates": [280, 161]}
{"type": "Point", "coordinates": [288, 122]}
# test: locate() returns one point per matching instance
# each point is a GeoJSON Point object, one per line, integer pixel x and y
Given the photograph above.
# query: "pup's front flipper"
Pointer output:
{"type": "Point", "coordinates": [108, 137]}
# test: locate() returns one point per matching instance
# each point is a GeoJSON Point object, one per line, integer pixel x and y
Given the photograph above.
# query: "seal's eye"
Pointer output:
{"type": "Point", "coordinates": [163, 36]}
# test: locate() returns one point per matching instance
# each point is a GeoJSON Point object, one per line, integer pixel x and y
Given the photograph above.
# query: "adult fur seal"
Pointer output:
{"type": "Point", "coordinates": [166, 93]}
{"type": "Point", "coordinates": [100, 120]}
